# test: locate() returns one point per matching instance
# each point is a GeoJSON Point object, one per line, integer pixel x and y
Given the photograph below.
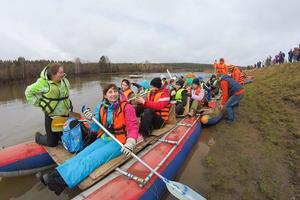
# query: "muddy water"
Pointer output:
{"type": "Point", "coordinates": [19, 121]}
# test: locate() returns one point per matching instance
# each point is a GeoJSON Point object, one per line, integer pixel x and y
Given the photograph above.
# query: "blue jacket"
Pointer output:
{"type": "Point", "coordinates": [233, 86]}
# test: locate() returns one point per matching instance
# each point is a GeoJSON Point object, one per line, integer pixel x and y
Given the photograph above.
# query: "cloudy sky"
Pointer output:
{"type": "Point", "coordinates": [241, 31]}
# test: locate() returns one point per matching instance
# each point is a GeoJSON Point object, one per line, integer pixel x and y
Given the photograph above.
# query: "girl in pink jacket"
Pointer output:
{"type": "Point", "coordinates": [120, 119]}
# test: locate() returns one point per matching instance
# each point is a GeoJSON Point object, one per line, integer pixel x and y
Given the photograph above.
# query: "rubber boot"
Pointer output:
{"type": "Point", "coordinates": [54, 182]}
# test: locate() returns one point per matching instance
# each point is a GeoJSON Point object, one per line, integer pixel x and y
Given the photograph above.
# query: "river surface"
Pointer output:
{"type": "Point", "coordinates": [19, 122]}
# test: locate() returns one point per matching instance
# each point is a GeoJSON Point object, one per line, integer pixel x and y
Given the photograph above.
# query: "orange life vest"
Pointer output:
{"type": "Point", "coordinates": [118, 128]}
{"type": "Point", "coordinates": [163, 113]}
{"type": "Point", "coordinates": [127, 93]}
{"type": "Point", "coordinates": [237, 75]}
{"type": "Point", "coordinates": [221, 68]}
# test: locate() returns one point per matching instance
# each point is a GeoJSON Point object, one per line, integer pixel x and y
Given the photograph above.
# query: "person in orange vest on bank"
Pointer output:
{"type": "Point", "coordinates": [232, 93]}
{"type": "Point", "coordinates": [154, 110]}
{"type": "Point", "coordinates": [221, 68]}
{"type": "Point", "coordinates": [237, 75]}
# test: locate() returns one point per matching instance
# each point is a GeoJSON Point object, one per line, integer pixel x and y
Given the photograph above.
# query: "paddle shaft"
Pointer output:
{"type": "Point", "coordinates": [132, 154]}
{"type": "Point", "coordinates": [181, 193]}
{"type": "Point", "coordinates": [169, 73]}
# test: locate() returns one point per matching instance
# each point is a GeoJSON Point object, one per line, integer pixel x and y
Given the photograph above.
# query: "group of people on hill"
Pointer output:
{"type": "Point", "coordinates": [118, 112]}
{"type": "Point", "coordinates": [293, 56]}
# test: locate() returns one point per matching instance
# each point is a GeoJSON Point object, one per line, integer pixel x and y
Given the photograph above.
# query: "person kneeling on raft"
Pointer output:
{"type": "Point", "coordinates": [51, 93]}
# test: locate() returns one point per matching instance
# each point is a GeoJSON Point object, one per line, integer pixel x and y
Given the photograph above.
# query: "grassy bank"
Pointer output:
{"type": "Point", "coordinates": [258, 157]}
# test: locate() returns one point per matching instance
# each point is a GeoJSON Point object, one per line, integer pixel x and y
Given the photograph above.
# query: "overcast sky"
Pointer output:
{"type": "Point", "coordinates": [155, 30]}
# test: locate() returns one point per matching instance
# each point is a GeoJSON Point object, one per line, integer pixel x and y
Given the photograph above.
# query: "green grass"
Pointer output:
{"type": "Point", "coordinates": [258, 157]}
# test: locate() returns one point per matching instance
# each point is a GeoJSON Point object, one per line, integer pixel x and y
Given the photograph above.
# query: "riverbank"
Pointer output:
{"type": "Point", "coordinates": [258, 157]}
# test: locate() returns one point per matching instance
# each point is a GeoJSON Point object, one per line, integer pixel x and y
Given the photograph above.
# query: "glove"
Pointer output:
{"type": "Point", "coordinates": [128, 147]}
{"type": "Point", "coordinates": [87, 113]}
{"type": "Point", "coordinates": [173, 93]}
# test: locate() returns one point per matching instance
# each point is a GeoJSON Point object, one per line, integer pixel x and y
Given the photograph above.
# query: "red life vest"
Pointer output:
{"type": "Point", "coordinates": [163, 113]}
{"type": "Point", "coordinates": [118, 128]}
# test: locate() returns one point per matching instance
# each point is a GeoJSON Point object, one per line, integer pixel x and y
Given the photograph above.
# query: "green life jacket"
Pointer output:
{"type": "Point", "coordinates": [50, 100]}
{"type": "Point", "coordinates": [178, 95]}
{"type": "Point", "coordinates": [214, 83]}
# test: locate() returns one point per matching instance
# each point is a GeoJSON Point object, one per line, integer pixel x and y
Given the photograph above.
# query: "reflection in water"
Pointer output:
{"type": "Point", "coordinates": [12, 92]}
{"type": "Point", "coordinates": [19, 121]}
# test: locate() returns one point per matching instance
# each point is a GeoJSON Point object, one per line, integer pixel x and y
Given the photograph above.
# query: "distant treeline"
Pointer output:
{"type": "Point", "coordinates": [22, 69]}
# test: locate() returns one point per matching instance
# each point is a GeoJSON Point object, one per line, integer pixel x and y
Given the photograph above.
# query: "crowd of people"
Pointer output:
{"type": "Point", "coordinates": [280, 58]}
{"type": "Point", "coordinates": [119, 110]}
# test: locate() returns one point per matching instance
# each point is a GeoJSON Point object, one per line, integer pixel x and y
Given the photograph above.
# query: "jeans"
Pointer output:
{"type": "Point", "coordinates": [230, 104]}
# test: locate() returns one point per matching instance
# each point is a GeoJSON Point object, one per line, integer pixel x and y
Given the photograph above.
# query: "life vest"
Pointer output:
{"type": "Point", "coordinates": [237, 76]}
{"type": "Point", "coordinates": [50, 100]}
{"type": "Point", "coordinates": [178, 95]}
{"type": "Point", "coordinates": [118, 128]}
{"type": "Point", "coordinates": [221, 68]}
{"type": "Point", "coordinates": [198, 90]}
{"type": "Point", "coordinates": [163, 113]}
{"type": "Point", "coordinates": [127, 93]}
{"type": "Point", "coordinates": [233, 86]}
{"type": "Point", "coordinates": [212, 83]}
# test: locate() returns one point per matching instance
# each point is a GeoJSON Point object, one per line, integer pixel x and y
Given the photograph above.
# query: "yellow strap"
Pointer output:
{"type": "Point", "coordinates": [58, 123]}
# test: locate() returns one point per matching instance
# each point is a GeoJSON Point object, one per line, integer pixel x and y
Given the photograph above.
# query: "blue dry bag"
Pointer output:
{"type": "Point", "coordinates": [72, 138]}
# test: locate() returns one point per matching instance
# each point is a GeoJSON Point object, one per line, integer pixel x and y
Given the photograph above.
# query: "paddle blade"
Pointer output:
{"type": "Point", "coordinates": [182, 192]}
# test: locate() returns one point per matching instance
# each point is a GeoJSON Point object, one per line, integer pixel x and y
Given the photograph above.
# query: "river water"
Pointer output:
{"type": "Point", "coordinates": [19, 121]}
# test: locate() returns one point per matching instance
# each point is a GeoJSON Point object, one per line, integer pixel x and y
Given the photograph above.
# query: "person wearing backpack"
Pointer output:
{"type": "Point", "coordinates": [120, 119]}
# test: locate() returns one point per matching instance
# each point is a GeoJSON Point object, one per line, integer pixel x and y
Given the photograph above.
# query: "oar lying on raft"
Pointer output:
{"type": "Point", "coordinates": [139, 95]}
{"type": "Point", "coordinates": [58, 121]}
{"type": "Point", "coordinates": [178, 190]}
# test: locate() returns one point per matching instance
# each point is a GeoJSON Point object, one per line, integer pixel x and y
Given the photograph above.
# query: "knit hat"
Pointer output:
{"type": "Point", "coordinates": [200, 78]}
{"type": "Point", "coordinates": [180, 82]}
{"type": "Point", "coordinates": [196, 81]}
{"type": "Point", "coordinates": [156, 82]}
